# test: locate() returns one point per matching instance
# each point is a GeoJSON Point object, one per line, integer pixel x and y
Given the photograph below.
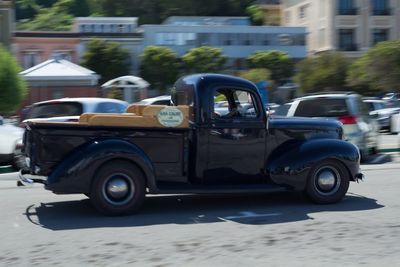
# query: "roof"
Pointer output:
{"type": "Point", "coordinates": [83, 100]}
{"type": "Point", "coordinates": [328, 95]}
{"type": "Point", "coordinates": [206, 20]}
{"type": "Point", "coordinates": [124, 81]}
{"type": "Point", "coordinates": [59, 69]}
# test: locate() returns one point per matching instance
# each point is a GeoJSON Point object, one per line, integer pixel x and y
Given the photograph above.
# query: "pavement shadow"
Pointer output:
{"type": "Point", "coordinates": [250, 209]}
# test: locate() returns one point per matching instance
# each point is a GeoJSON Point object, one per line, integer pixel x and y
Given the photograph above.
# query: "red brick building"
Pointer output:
{"type": "Point", "coordinates": [54, 79]}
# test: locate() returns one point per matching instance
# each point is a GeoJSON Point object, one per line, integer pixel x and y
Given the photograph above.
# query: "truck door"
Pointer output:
{"type": "Point", "coordinates": [236, 134]}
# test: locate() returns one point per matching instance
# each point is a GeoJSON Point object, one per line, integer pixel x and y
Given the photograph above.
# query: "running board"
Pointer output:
{"type": "Point", "coordinates": [210, 189]}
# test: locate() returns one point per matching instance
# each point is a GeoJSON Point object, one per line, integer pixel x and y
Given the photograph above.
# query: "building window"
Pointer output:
{"type": "Point", "coordinates": [346, 40]}
{"type": "Point", "coordinates": [379, 35]}
{"type": "Point", "coordinates": [287, 17]}
{"type": "Point", "coordinates": [62, 55]}
{"type": "Point", "coordinates": [346, 7]}
{"type": "Point", "coordinates": [303, 11]}
{"type": "Point", "coordinates": [322, 37]}
{"type": "Point", "coordinates": [31, 59]}
{"type": "Point", "coordinates": [175, 38]}
{"type": "Point", "coordinates": [380, 7]}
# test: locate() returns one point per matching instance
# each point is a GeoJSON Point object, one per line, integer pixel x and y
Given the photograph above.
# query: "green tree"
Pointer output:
{"type": "Point", "coordinates": [378, 68]}
{"type": "Point", "coordinates": [115, 93]}
{"type": "Point", "coordinates": [324, 72]}
{"type": "Point", "coordinates": [28, 9]}
{"type": "Point", "coordinates": [256, 14]}
{"type": "Point", "coordinates": [279, 63]}
{"type": "Point", "coordinates": [107, 59]}
{"type": "Point", "coordinates": [54, 18]}
{"type": "Point", "coordinates": [12, 87]}
{"type": "Point", "coordinates": [256, 75]}
{"type": "Point", "coordinates": [159, 66]}
{"type": "Point", "coordinates": [204, 59]}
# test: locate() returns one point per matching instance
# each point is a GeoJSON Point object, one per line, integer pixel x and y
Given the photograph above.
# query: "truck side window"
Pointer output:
{"type": "Point", "coordinates": [234, 103]}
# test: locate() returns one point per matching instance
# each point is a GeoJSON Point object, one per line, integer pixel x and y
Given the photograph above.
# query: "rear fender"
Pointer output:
{"type": "Point", "coordinates": [291, 162]}
{"type": "Point", "coordinates": [74, 173]}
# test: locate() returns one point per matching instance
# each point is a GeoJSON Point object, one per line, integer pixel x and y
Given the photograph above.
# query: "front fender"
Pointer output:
{"type": "Point", "coordinates": [74, 173]}
{"type": "Point", "coordinates": [292, 161]}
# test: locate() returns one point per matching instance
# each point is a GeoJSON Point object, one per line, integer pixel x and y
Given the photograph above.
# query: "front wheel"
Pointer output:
{"type": "Point", "coordinates": [118, 188]}
{"type": "Point", "coordinates": [328, 182]}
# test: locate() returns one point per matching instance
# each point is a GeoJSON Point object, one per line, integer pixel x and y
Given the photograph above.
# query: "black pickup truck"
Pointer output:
{"type": "Point", "coordinates": [189, 147]}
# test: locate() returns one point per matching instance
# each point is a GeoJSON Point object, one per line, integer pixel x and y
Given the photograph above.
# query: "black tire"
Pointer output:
{"type": "Point", "coordinates": [328, 182]}
{"type": "Point", "coordinates": [118, 188]}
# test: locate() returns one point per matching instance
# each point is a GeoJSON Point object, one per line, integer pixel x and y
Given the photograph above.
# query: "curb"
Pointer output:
{"type": "Point", "coordinates": [6, 169]}
{"type": "Point", "coordinates": [388, 150]}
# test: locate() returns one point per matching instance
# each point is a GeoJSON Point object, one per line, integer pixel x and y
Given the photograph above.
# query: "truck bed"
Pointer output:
{"type": "Point", "coordinates": [47, 144]}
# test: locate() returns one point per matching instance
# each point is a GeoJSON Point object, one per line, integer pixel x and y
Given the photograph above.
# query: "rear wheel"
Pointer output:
{"type": "Point", "coordinates": [118, 188]}
{"type": "Point", "coordinates": [328, 182]}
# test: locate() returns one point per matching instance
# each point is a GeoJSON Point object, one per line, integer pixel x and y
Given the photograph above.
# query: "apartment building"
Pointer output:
{"type": "Point", "coordinates": [233, 36]}
{"type": "Point", "coordinates": [122, 30]}
{"type": "Point", "coordinates": [351, 26]}
{"type": "Point", "coordinates": [6, 22]}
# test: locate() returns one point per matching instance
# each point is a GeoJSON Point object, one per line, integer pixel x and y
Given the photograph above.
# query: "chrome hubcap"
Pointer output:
{"type": "Point", "coordinates": [118, 189]}
{"type": "Point", "coordinates": [327, 180]}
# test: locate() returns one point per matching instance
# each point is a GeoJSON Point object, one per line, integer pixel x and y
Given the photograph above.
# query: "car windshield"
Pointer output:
{"type": "Point", "coordinates": [56, 109]}
{"type": "Point", "coordinates": [322, 107]}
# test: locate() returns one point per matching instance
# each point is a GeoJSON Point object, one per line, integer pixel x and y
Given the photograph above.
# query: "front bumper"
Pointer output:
{"type": "Point", "coordinates": [359, 176]}
{"type": "Point", "coordinates": [26, 179]}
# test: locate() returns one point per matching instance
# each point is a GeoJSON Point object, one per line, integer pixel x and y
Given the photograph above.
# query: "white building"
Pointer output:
{"type": "Point", "coordinates": [351, 26]}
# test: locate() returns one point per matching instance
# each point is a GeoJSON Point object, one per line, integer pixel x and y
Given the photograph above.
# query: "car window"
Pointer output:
{"type": "Point", "coordinates": [371, 106]}
{"type": "Point", "coordinates": [322, 107]}
{"type": "Point", "coordinates": [229, 103]}
{"type": "Point", "coordinates": [56, 109]}
{"type": "Point", "coordinates": [282, 110]}
{"type": "Point", "coordinates": [162, 102]}
{"type": "Point", "coordinates": [110, 107]}
{"type": "Point", "coordinates": [362, 108]}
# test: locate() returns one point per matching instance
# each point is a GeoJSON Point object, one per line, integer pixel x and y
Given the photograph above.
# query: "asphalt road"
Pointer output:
{"type": "Point", "coordinates": [281, 229]}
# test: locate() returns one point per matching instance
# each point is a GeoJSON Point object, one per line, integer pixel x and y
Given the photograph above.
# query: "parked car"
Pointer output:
{"type": "Point", "coordinates": [117, 160]}
{"type": "Point", "coordinates": [222, 108]}
{"type": "Point", "coordinates": [358, 126]}
{"type": "Point", "coordinates": [69, 109]}
{"type": "Point", "coordinates": [11, 144]}
{"type": "Point", "coordinates": [379, 110]}
{"type": "Point", "coordinates": [392, 100]}
{"type": "Point", "coordinates": [159, 100]}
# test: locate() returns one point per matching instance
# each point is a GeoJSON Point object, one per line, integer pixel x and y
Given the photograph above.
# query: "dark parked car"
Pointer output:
{"type": "Point", "coordinates": [187, 148]}
{"type": "Point", "coordinates": [358, 126]}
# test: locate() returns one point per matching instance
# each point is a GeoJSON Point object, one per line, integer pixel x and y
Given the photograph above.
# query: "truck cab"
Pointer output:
{"type": "Point", "coordinates": [192, 146]}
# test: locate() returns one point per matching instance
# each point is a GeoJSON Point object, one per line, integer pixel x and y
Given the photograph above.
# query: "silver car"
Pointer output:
{"type": "Point", "coordinates": [69, 109]}
{"type": "Point", "coordinates": [358, 126]}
